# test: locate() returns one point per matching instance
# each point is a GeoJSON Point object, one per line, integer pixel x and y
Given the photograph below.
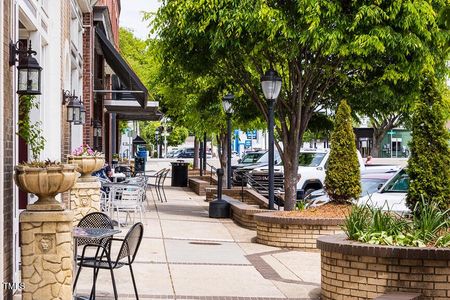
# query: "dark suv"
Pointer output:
{"type": "Point", "coordinates": [252, 162]}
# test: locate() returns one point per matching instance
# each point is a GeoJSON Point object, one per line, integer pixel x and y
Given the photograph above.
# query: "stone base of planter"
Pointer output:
{"type": "Point", "coordinates": [84, 198]}
{"type": "Point", "coordinates": [47, 255]}
{"type": "Point", "coordinates": [293, 232]}
{"type": "Point", "coordinates": [352, 270]}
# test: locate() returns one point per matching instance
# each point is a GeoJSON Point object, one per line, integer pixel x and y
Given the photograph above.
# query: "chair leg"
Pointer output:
{"type": "Point", "coordinates": [94, 284]}
{"type": "Point", "coordinates": [113, 282]}
{"type": "Point", "coordinates": [76, 279]}
{"type": "Point", "coordinates": [164, 192]}
{"type": "Point", "coordinates": [134, 282]}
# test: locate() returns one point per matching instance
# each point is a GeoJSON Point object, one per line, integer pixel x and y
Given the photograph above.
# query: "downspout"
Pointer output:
{"type": "Point", "coordinates": [1, 146]}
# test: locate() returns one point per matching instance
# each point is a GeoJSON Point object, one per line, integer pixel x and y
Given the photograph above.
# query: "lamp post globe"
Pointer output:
{"type": "Point", "coordinates": [271, 86]}
{"type": "Point", "coordinates": [228, 108]}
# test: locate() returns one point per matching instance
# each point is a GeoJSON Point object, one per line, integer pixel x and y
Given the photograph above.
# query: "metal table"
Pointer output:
{"type": "Point", "coordinates": [91, 233]}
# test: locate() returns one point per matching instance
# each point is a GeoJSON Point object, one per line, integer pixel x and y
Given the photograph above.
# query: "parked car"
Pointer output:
{"type": "Point", "coordinates": [370, 183]}
{"type": "Point", "coordinates": [392, 195]}
{"type": "Point", "coordinates": [242, 169]}
{"type": "Point", "coordinates": [186, 153]}
{"type": "Point", "coordinates": [311, 172]}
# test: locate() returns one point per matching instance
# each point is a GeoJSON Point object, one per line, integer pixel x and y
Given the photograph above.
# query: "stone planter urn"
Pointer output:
{"type": "Point", "coordinates": [45, 183]}
{"type": "Point", "coordinates": [86, 165]}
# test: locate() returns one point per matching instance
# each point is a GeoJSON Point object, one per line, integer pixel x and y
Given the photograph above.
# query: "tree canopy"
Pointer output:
{"type": "Point", "coordinates": [314, 45]}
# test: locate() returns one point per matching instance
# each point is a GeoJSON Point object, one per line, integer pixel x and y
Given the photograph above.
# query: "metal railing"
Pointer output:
{"type": "Point", "coordinates": [213, 170]}
{"type": "Point", "coordinates": [257, 187]}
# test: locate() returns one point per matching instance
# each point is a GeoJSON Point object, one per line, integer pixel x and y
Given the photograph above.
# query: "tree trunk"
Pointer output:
{"type": "Point", "coordinates": [290, 162]}
{"type": "Point", "coordinates": [196, 153]}
{"type": "Point", "coordinates": [377, 138]}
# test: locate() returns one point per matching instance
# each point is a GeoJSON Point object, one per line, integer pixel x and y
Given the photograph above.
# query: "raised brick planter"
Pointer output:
{"type": "Point", "coordinates": [251, 197]}
{"type": "Point", "coordinates": [293, 232]}
{"type": "Point", "coordinates": [198, 186]}
{"type": "Point", "coordinates": [243, 213]}
{"type": "Point", "coordinates": [353, 270]}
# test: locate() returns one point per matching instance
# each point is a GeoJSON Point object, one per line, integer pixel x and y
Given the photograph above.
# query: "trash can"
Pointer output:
{"type": "Point", "coordinates": [179, 173]}
{"type": "Point", "coordinates": [139, 165]}
{"type": "Point", "coordinates": [143, 154]}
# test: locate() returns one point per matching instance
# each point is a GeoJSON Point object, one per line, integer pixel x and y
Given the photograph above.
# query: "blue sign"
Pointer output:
{"type": "Point", "coordinates": [251, 135]}
{"type": "Point", "coordinates": [248, 144]}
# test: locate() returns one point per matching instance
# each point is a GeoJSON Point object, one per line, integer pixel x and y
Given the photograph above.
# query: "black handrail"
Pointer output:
{"type": "Point", "coordinates": [250, 181]}
{"type": "Point", "coordinates": [213, 171]}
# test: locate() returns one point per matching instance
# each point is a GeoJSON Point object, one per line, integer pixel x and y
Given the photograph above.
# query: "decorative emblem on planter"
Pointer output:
{"type": "Point", "coordinates": [45, 243]}
{"type": "Point", "coordinates": [85, 201]}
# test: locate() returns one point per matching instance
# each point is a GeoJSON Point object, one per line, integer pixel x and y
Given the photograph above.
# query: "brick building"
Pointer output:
{"type": "Point", "coordinates": [77, 47]}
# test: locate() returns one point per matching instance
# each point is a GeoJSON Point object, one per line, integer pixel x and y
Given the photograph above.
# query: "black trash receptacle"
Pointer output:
{"type": "Point", "coordinates": [139, 165]}
{"type": "Point", "coordinates": [180, 173]}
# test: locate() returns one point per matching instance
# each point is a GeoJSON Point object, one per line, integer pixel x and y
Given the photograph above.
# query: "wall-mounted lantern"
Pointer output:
{"type": "Point", "coordinates": [29, 78]}
{"type": "Point", "coordinates": [97, 125]}
{"type": "Point", "coordinates": [74, 107]}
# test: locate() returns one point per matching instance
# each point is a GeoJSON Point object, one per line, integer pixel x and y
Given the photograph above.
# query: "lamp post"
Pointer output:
{"type": "Point", "coordinates": [227, 107]}
{"type": "Point", "coordinates": [271, 86]}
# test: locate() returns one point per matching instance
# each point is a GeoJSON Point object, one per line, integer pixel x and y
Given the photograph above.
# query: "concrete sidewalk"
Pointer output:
{"type": "Point", "coordinates": [186, 255]}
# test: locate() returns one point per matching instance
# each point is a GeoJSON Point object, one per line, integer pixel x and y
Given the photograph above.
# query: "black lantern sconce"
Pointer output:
{"type": "Point", "coordinates": [82, 119]}
{"type": "Point", "coordinates": [29, 78]}
{"type": "Point", "coordinates": [74, 108]}
{"type": "Point", "coordinates": [97, 125]}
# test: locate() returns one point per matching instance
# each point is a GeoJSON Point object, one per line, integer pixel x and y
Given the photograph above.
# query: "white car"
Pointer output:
{"type": "Point", "coordinates": [392, 196]}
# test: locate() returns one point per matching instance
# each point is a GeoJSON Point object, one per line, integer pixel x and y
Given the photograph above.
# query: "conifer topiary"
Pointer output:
{"type": "Point", "coordinates": [429, 163]}
{"type": "Point", "coordinates": [342, 181]}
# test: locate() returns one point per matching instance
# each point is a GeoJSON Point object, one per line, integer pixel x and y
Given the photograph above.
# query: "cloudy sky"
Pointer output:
{"type": "Point", "coordinates": [131, 16]}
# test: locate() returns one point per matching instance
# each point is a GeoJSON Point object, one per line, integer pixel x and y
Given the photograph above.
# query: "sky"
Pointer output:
{"type": "Point", "coordinates": [131, 16]}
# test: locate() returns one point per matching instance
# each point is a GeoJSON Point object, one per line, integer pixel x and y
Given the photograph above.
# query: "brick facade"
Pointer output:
{"type": "Point", "coordinates": [357, 271]}
{"type": "Point", "coordinates": [293, 232]}
{"type": "Point", "coordinates": [8, 153]}
{"type": "Point", "coordinates": [88, 76]}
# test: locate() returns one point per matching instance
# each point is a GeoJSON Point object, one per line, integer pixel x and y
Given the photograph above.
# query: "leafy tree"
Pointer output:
{"type": "Point", "coordinates": [428, 165]}
{"type": "Point", "coordinates": [343, 179]}
{"type": "Point", "coordinates": [314, 45]}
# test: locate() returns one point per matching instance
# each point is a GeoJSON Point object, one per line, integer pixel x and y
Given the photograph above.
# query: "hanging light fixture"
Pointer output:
{"type": "Point", "coordinates": [74, 107]}
{"type": "Point", "coordinates": [97, 124]}
{"type": "Point", "coordinates": [82, 119]}
{"type": "Point", "coordinates": [29, 77]}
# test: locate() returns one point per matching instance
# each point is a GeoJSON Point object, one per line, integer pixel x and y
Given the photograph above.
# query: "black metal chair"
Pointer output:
{"type": "Point", "coordinates": [102, 260]}
{"type": "Point", "coordinates": [161, 184]}
{"type": "Point", "coordinates": [94, 220]}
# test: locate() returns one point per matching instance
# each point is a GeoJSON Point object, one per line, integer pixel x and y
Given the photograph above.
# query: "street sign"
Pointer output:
{"type": "Point", "coordinates": [248, 144]}
{"type": "Point", "coordinates": [392, 132]}
{"type": "Point", "coordinates": [251, 135]}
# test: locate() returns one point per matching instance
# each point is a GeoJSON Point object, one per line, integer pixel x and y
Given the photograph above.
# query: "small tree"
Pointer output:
{"type": "Point", "coordinates": [342, 181]}
{"type": "Point", "coordinates": [429, 163]}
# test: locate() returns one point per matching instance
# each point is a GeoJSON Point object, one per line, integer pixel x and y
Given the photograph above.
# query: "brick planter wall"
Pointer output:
{"type": "Point", "coordinates": [293, 232]}
{"type": "Point", "coordinates": [251, 197]}
{"type": "Point", "coordinates": [353, 270]}
{"type": "Point", "coordinates": [243, 213]}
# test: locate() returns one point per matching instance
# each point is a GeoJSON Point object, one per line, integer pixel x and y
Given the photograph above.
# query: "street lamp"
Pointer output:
{"type": "Point", "coordinates": [228, 108]}
{"type": "Point", "coordinates": [271, 86]}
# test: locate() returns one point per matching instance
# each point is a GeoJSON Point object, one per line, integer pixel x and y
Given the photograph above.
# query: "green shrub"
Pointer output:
{"type": "Point", "coordinates": [428, 226]}
{"type": "Point", "coordinates": [428, 165]}
{"type": "Point", "coordinates": [342, 179]}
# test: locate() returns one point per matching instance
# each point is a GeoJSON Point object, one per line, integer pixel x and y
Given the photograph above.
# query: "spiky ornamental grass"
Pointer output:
{"type": "Point", "coordinates": [342, 181]}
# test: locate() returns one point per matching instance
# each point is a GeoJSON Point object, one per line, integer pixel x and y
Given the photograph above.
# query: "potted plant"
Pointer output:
{"type": "Point", "coordinates": [86, 160]}
{"type": "Point", "coordinates": [47, 178]}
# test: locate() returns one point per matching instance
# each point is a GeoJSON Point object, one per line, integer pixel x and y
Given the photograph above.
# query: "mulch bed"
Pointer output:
{"type": "Point", "coordinates": [329, 210]}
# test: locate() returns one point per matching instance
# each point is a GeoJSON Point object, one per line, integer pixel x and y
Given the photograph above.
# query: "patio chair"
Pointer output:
{"type": "Point", "coordinates": [161, 184]}
{"type": "Point", "coordinates": [155, 183]}
{"type": "Point", "coordinates": [93, 220]}
{"type": "Point", "coordinates": [127, 199]}
{"type": "Point", "coordinates": [102, 260]}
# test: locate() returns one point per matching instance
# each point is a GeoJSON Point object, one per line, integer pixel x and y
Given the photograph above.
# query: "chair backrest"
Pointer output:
{"type": "Point", "coordinates": [131, 243]}
{"type": "Point", "coordinates": [126, 195]}
{"type": "Point", "coordinates": [164, 176]}
{"type": "Point", "coordinates": [123, 169]}
{"type": "Point", "coordinates": [94, 220]}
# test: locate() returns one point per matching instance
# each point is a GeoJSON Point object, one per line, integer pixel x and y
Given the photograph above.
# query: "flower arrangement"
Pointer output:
{"type": "Point", "coordinates": [85, 150]}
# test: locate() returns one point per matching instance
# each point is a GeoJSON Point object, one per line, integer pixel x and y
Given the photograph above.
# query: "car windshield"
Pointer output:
{"type": "Point", "coordinates": [251, 158]}
{"type": "Point", "coordinates": [265, 158]}
{"type": "Point", "coordinates": [371, 185]}
{"type": "Point", "coordinates": [310, 159]}
{"type": "Point", "coordinates": [398, 184]}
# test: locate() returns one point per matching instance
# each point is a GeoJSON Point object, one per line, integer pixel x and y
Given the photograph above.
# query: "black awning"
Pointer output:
{"type": "Point", "coordinates": [122, 69]}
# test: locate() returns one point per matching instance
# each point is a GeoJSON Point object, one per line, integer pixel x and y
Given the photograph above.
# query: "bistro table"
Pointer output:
{"type": "Point", "coordinates": [89, 233]}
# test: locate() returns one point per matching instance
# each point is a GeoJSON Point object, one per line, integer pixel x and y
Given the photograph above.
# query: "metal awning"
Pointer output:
{"type": "Point", "coordinates": [120, 67]}
{"type": "Point", "coordinates": [132, 111]}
